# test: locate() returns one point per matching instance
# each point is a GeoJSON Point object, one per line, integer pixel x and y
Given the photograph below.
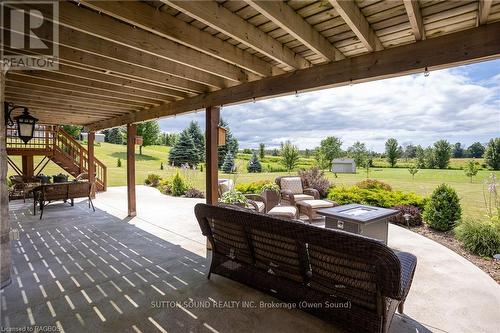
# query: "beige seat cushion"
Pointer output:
{"type": "Point", "coordinates": [302, 197]}
{"type": "Point", "coordinates": [317, 203]}
{"type": "Point", "coordinates": [284, 211]}
{"type": "Point", "coordinates": [293, 184]}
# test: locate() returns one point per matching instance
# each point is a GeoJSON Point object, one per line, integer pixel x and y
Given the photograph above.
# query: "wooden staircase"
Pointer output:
{"type": "Point", "coordinates": [57, 146]}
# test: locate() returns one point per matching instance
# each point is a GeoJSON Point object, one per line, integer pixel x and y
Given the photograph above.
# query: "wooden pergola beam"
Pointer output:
{"type": "Point", "coordinates": [223, 20]}
{"type": "Point", "coordinates": [131, 201]}
{"type": "Point", "coordinates": [105, 27]}
{"type": "Point", "coordinates": [415, 17]}
{"type": "Point", "coordinates": [441, 52]}
{"type": "Point", "coordinates": [484, 11]}
{"type": "Point", "coordinates": [286, 18]}
{"type": "Point", "coordinates": [168, 26]}
{"type": "Point", "coordinates": [354, 18]}
{"type": "Point", "coordinates": [212, 117]}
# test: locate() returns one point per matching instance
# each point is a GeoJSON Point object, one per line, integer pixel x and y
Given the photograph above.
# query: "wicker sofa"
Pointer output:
{"type": "Point", "coordinates": [358, 281]}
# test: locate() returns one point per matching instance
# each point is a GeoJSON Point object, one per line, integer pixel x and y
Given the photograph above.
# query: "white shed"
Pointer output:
{"type": "Point", "coordinates": [99, 137]}
{"type": "Point", "coordinates": [343, 165]}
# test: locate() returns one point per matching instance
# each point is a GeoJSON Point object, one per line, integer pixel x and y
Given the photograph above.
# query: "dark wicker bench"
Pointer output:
{"type": "Point", "coordinates": [358, 281]}
{"type": "Point", "coordinates": [46, 193]}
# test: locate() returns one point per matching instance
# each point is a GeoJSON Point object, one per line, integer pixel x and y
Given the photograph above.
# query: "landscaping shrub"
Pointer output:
{"type": "Point", "coordinates": [165, 186]}
{"type": "Point", "coordinates": [179, 186]}
{"type": "Point", "coordinates": [119, 162]}
{"type": "Point", "coordinates": [414, 212]}
{"type": "Point", "coordinates": [375, 197]}
{"type": "Point", "coordinates": [478, 237]}
{"type": "Point", "coordinates": [373, 184]}
{"type": "Point", "coordinates": [194, 193]}
{"type": "Point", "coordinates": [253, 187]}
{"type": "Point", "coordinates": [315, 178]}
{"type": "Point", "coordinates": [443, 210]}
{"type": "Point", "coordinates": [152, 180]}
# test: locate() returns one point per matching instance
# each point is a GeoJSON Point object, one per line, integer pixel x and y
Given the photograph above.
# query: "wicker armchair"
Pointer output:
{"type": "Point", "coordinates": [22, 186]}
{"type": "Point", "coordinates": [360, 279]}
{"type": "Point", "coordinates": [294, 188]}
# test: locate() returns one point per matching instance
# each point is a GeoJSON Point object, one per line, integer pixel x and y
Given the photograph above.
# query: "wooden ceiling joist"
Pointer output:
{"type": "Point", "coordinates": [149, 97]}
{"type": "Point", "coordinates": [466, 46]}
{"type": "Point", "coordinates": [223, 20]}
{"type": "Point", "coordinates": [415, 17]}
{"type": "Point", "coordinates": [287, 19]}
{"type": "Point", "coordinates": [354, 18]}
{"type": "Point", "coordinates": [44, 89]}
{"type": "Point", "coordinates": [112, 30]}
{"type": "Point", "coordinates": [23, 78]}
{"type": "Point", "coordinates": [168, 26]}
{"type": "Point", "coordinates": [484, 11]}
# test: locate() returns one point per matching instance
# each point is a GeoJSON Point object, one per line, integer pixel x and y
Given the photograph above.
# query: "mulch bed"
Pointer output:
{"type": "Point", "coordinates": [488, 265]}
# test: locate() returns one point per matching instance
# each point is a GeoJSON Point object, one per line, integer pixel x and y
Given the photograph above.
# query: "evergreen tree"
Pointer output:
{"type": "Point", "coordinates": [149, 130]}
{"type": "Point", "coordinates": [254, 164]}
{"type": "Point", "coordinates": [230, 146]}
{"type": "Point", "coordinates": [262, 150]}
{"type": "Point", "coordinates": [184, 151]}
{"type": "Point", "coordinates": [228, 165]}
{"type": "Point", "coordinates": [198, 139]}
{"type": "Point", "coordinates": [492, 154]}
{"type": "Point", "coordinates": [114, 136]}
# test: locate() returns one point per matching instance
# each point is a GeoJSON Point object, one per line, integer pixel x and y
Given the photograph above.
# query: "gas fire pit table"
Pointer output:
{"type": "Point", "coordinates": [359, 219]}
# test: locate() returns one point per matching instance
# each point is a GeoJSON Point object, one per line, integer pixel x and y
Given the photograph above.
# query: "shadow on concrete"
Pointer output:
{"type": "Point", "coordinates": [87, 271]}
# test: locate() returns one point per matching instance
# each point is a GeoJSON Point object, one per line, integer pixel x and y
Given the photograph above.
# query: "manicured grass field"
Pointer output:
{"type": "Point", "coordinates": [425, 181]}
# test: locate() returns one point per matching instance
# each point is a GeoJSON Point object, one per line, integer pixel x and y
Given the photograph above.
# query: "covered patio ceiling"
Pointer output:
{"type": "Point", "coordinates": [125, 62]}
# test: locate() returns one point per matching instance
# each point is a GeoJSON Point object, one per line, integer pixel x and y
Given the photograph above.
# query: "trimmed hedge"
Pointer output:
{"type": "Point", "coordinates": [253, 187]}
{"type": "Point", "coordinates": [375, 197]}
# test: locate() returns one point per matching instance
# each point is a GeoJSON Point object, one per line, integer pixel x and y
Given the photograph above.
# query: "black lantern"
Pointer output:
{"type": "Point", "coordinates": [25, 122]}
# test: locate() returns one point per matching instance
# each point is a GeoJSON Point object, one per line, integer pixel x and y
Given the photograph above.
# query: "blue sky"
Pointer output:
{"type": "Point", "coordinates": [460, 105]}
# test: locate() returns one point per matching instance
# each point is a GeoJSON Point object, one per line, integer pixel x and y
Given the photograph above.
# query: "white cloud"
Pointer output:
{"type": "Point", "coordinates": [448, 104]}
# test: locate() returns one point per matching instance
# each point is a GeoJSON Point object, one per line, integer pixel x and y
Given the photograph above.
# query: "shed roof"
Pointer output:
{"type": "Point", "coordinates": [343, 161]}
{"type": "Point", "coordinates": [129, 62]}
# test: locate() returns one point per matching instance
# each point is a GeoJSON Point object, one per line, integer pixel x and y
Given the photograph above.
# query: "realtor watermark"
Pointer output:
{"type": "Point", "coordinates": [30, 35]}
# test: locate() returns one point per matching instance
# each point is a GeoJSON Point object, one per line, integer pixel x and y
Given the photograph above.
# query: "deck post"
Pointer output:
{"type": "Point", "coordinates": [28, 165]}
{"type": "Point", "coordinates": [5, 258]}
{"type": "Point", "coordinates": [90, 161]}
{"type": "Point", "coordinates": [131, 133]}
{"type": "Point", "coordinates": [212, 115]}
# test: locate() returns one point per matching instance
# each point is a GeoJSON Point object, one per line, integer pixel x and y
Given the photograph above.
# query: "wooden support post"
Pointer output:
{"type": "Point", "coordinates": [212, 115]}
{"type": "Point", "coordinates": [5, 258]}
{"type": "Point", "coordinates": [28, 165]}
{"type": "Point", "coordinates": [90, 161]}
{"type": "Point", "coordinates": [131, 133]}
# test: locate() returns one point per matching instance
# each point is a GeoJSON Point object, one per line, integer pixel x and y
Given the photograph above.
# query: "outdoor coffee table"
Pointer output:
{"type": "Point", "coordinates": [359, 219]}
{"type": "Point", "coordinates": [309, 207]}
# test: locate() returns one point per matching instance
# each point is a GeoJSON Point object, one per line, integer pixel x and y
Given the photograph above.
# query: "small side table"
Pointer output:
{"type": "Point", "coordinates": [359, 219]}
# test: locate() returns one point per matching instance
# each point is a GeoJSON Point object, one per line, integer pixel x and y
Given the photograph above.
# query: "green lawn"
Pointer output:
{"type": "Point", "coordinates": [425, 181]}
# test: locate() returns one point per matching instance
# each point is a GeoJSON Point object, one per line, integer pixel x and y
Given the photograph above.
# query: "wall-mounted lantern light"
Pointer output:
{"type": "Point", "coordinates": [25, 122]}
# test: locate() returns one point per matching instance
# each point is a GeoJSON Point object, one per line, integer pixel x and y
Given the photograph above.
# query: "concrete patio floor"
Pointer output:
{"type": "Point", "coordinates": [82, 271]}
